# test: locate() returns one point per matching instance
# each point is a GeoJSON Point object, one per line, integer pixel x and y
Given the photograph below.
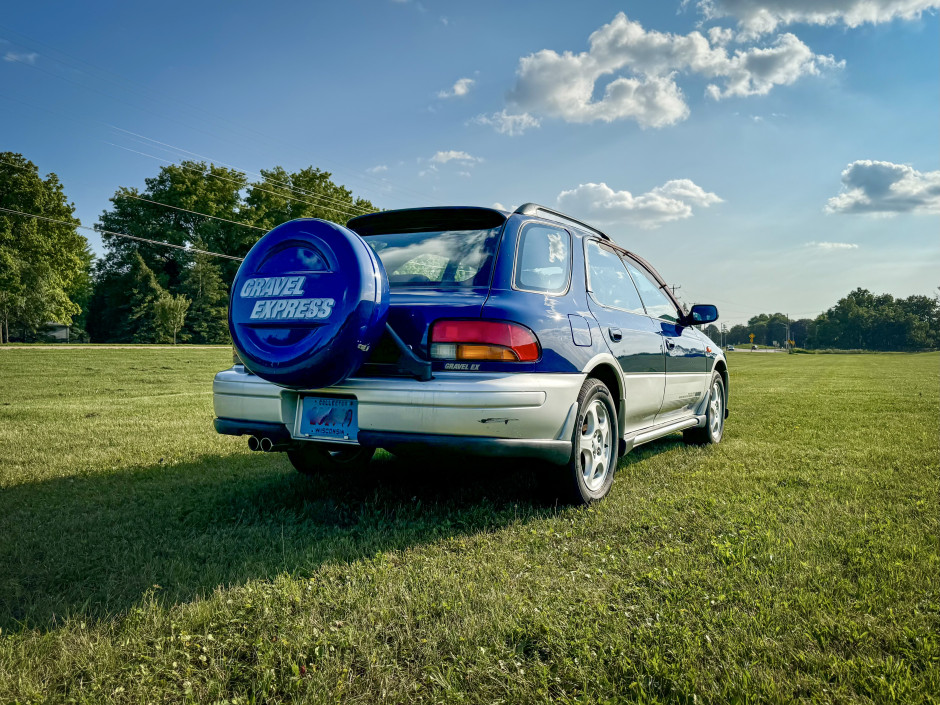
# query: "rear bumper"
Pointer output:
{"type": "Point", "coordinates": [525, 414]}
{"type": "Point", "coordinates": [553, 451]}
{"type": "Point", "coordinates": [277, 432]}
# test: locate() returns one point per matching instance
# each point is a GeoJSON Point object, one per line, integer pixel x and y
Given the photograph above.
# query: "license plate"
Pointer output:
{"type": "Point", "coordinates": [329, 419]}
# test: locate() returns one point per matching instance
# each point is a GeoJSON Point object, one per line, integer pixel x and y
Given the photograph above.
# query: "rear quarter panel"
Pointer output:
{"type": "Point", "coordinates": [547, 315]}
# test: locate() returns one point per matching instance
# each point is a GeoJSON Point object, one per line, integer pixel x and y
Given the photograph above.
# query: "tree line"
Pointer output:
{"type": "Point", "coordinates": [860, 321]}
{"type": "Point", "coordinates": [138, 292]}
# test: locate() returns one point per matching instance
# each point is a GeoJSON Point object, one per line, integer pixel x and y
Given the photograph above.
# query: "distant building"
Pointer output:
{"type": "Point", "coordinates": [55, 332]}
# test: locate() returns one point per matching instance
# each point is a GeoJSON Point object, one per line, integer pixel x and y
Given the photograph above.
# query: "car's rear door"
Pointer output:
{"type": "Point", "coordinates": [632, 337]}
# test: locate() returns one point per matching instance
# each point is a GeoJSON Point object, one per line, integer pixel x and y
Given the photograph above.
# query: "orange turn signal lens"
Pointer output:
{"type": "Point", "coordinates": [486, 352]}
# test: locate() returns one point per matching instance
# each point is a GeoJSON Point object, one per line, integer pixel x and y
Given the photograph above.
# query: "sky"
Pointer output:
{"type": "Point", "coordinates": [763, 155]}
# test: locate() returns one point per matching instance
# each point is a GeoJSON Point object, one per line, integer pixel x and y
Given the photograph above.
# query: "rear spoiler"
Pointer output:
{"type": "Point", "coordinates": [420, 220]}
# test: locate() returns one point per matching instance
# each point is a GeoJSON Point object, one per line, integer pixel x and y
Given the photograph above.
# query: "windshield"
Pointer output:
{"type": "Point", "coordinates": [452, 258]}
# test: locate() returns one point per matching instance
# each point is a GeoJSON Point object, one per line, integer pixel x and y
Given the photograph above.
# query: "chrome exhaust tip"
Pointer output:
{"type": "Point", "coordinates": [254, 443]}
{"type": "Point", "coordinates": [266, 444]}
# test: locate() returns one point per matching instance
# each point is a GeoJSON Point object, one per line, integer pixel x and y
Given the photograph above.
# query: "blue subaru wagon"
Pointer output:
{"type": "Point", "coordinates": [526, 334]}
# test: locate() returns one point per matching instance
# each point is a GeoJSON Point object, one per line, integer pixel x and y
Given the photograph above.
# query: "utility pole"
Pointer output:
{"type": "Point", "coordinates": [788, 333]}
{"type": "Point", "coordinates": [682, 304]}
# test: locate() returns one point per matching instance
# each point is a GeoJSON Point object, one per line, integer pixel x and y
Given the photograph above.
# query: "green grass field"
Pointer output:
{"type": "Point", "coordinates": [143, 558]}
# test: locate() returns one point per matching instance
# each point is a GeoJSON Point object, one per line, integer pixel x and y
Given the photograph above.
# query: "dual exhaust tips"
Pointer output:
{"type": "Point", "coordinates": [263, 444]}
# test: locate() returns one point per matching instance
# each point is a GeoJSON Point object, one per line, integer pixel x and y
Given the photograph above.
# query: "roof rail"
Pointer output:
{"type": "Point", "coordinates": [534, 208]}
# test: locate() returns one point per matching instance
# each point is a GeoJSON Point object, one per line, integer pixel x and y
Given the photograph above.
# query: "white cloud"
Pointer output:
{"type": "Point", "coordinates": [686, 190]}
{"type": "Point", "coordinates": [19, 57]}
{"type": "Point", "coordinates": [453, 155]}
{"type": "Point", "coordinates": [601, 204]}
{"type": "Point", "coordinates": [506, 123]}
{"type": "Point", "coordinates": [564, 85]}
{"type": "Point", "coordinates": [719, 36]}
{"type": "Point", "coordinates": [756, 71]}
{"type": "Point", "coordinates": [757, 17]}
{"type": "Point", "coordinates": [885, 188]}
{"type": "Point", "coordinates": [378, 169]}
{"type": "Point", "coordinates": [832, 246]}
{"type": "Point", "coordinates": [460, 88]}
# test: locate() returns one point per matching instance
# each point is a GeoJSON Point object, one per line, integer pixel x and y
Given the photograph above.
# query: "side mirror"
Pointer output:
{"type": "Point", "coordinates": [700, 314]}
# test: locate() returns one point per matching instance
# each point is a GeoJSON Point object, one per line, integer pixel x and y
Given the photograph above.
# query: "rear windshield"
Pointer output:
{"type": "Point", "coordinates": [452, 258]}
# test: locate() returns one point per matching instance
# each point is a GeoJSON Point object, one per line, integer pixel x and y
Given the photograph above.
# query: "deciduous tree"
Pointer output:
{"type": "Point", "coordinates": [170, 314]}
{"type": "Point", "coordinates": [44, 266]}
{"type": "Point", "coordinates": [160, 212]}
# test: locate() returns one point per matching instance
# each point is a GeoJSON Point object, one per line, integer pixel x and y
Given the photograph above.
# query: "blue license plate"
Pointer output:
{"type": "Point", "coordinates": [329, 418]}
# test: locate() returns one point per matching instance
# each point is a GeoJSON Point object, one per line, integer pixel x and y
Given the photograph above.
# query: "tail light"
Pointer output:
{"type": "Point", "coordinates": [476, 340]}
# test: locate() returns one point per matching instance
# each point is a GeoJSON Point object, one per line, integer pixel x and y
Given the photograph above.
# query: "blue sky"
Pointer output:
{"type": "Point", "coordinates": [766, 155]}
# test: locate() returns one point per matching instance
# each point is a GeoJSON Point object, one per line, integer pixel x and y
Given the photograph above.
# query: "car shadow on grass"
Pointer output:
{"type": "Point", "coordinates": [93, 545]}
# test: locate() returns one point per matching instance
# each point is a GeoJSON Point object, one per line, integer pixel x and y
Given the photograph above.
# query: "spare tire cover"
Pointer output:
{"type": "Point", "coordinates": [308, 303]}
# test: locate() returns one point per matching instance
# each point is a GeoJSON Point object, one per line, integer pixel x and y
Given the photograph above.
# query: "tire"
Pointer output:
{"type": "Point", "coordinates": [317, 458]}
{"type": "Point", "coordinates": [589, 474]}
{"type": "Point", "coordinates": [714, 416]}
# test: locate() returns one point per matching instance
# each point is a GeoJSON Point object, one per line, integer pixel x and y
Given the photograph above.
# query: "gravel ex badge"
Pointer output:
{"type": "Point", "coordinates": [284, 309]}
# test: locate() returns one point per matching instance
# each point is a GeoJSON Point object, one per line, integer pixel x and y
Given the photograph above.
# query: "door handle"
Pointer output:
{"type": "Point", "coordinates": [670, 345]}
{"type": "Point", "coordinates": [615, 334]}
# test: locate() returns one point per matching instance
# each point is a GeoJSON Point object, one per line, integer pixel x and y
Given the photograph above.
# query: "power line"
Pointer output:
{"type": "Point", "coordinates": [186, 210]}
{"type": "Point", "coordinates": [290, 187]}
{"type": "Point", "coordinates": [96, 73]}
{"type": "Point", "coordinates": [168, 117]}
{"type": "Point", "coordinates": [224, 178]}
{"type": "Point", "coordinates": [125, 84]}
{"type": "Point", "coordinates": [358, 210]}
{"type": "Point", "coordinates": [165, 205]}
{"type": "Point", "coordinates": [293, 189]}
{"type": "Point", "coordinates": [116, 234]}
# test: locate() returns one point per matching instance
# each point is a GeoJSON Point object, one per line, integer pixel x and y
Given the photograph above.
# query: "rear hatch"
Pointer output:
{"type": "Point", "coordinates": [440, 265]}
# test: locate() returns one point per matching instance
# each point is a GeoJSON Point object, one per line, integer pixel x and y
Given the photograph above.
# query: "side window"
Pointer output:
{"type": "Point", "coordinates": [658, 304]}
{"type": "Point", "coordinates": [543, 259]}
{"type": "Point", "coordinates": [609, 281]}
